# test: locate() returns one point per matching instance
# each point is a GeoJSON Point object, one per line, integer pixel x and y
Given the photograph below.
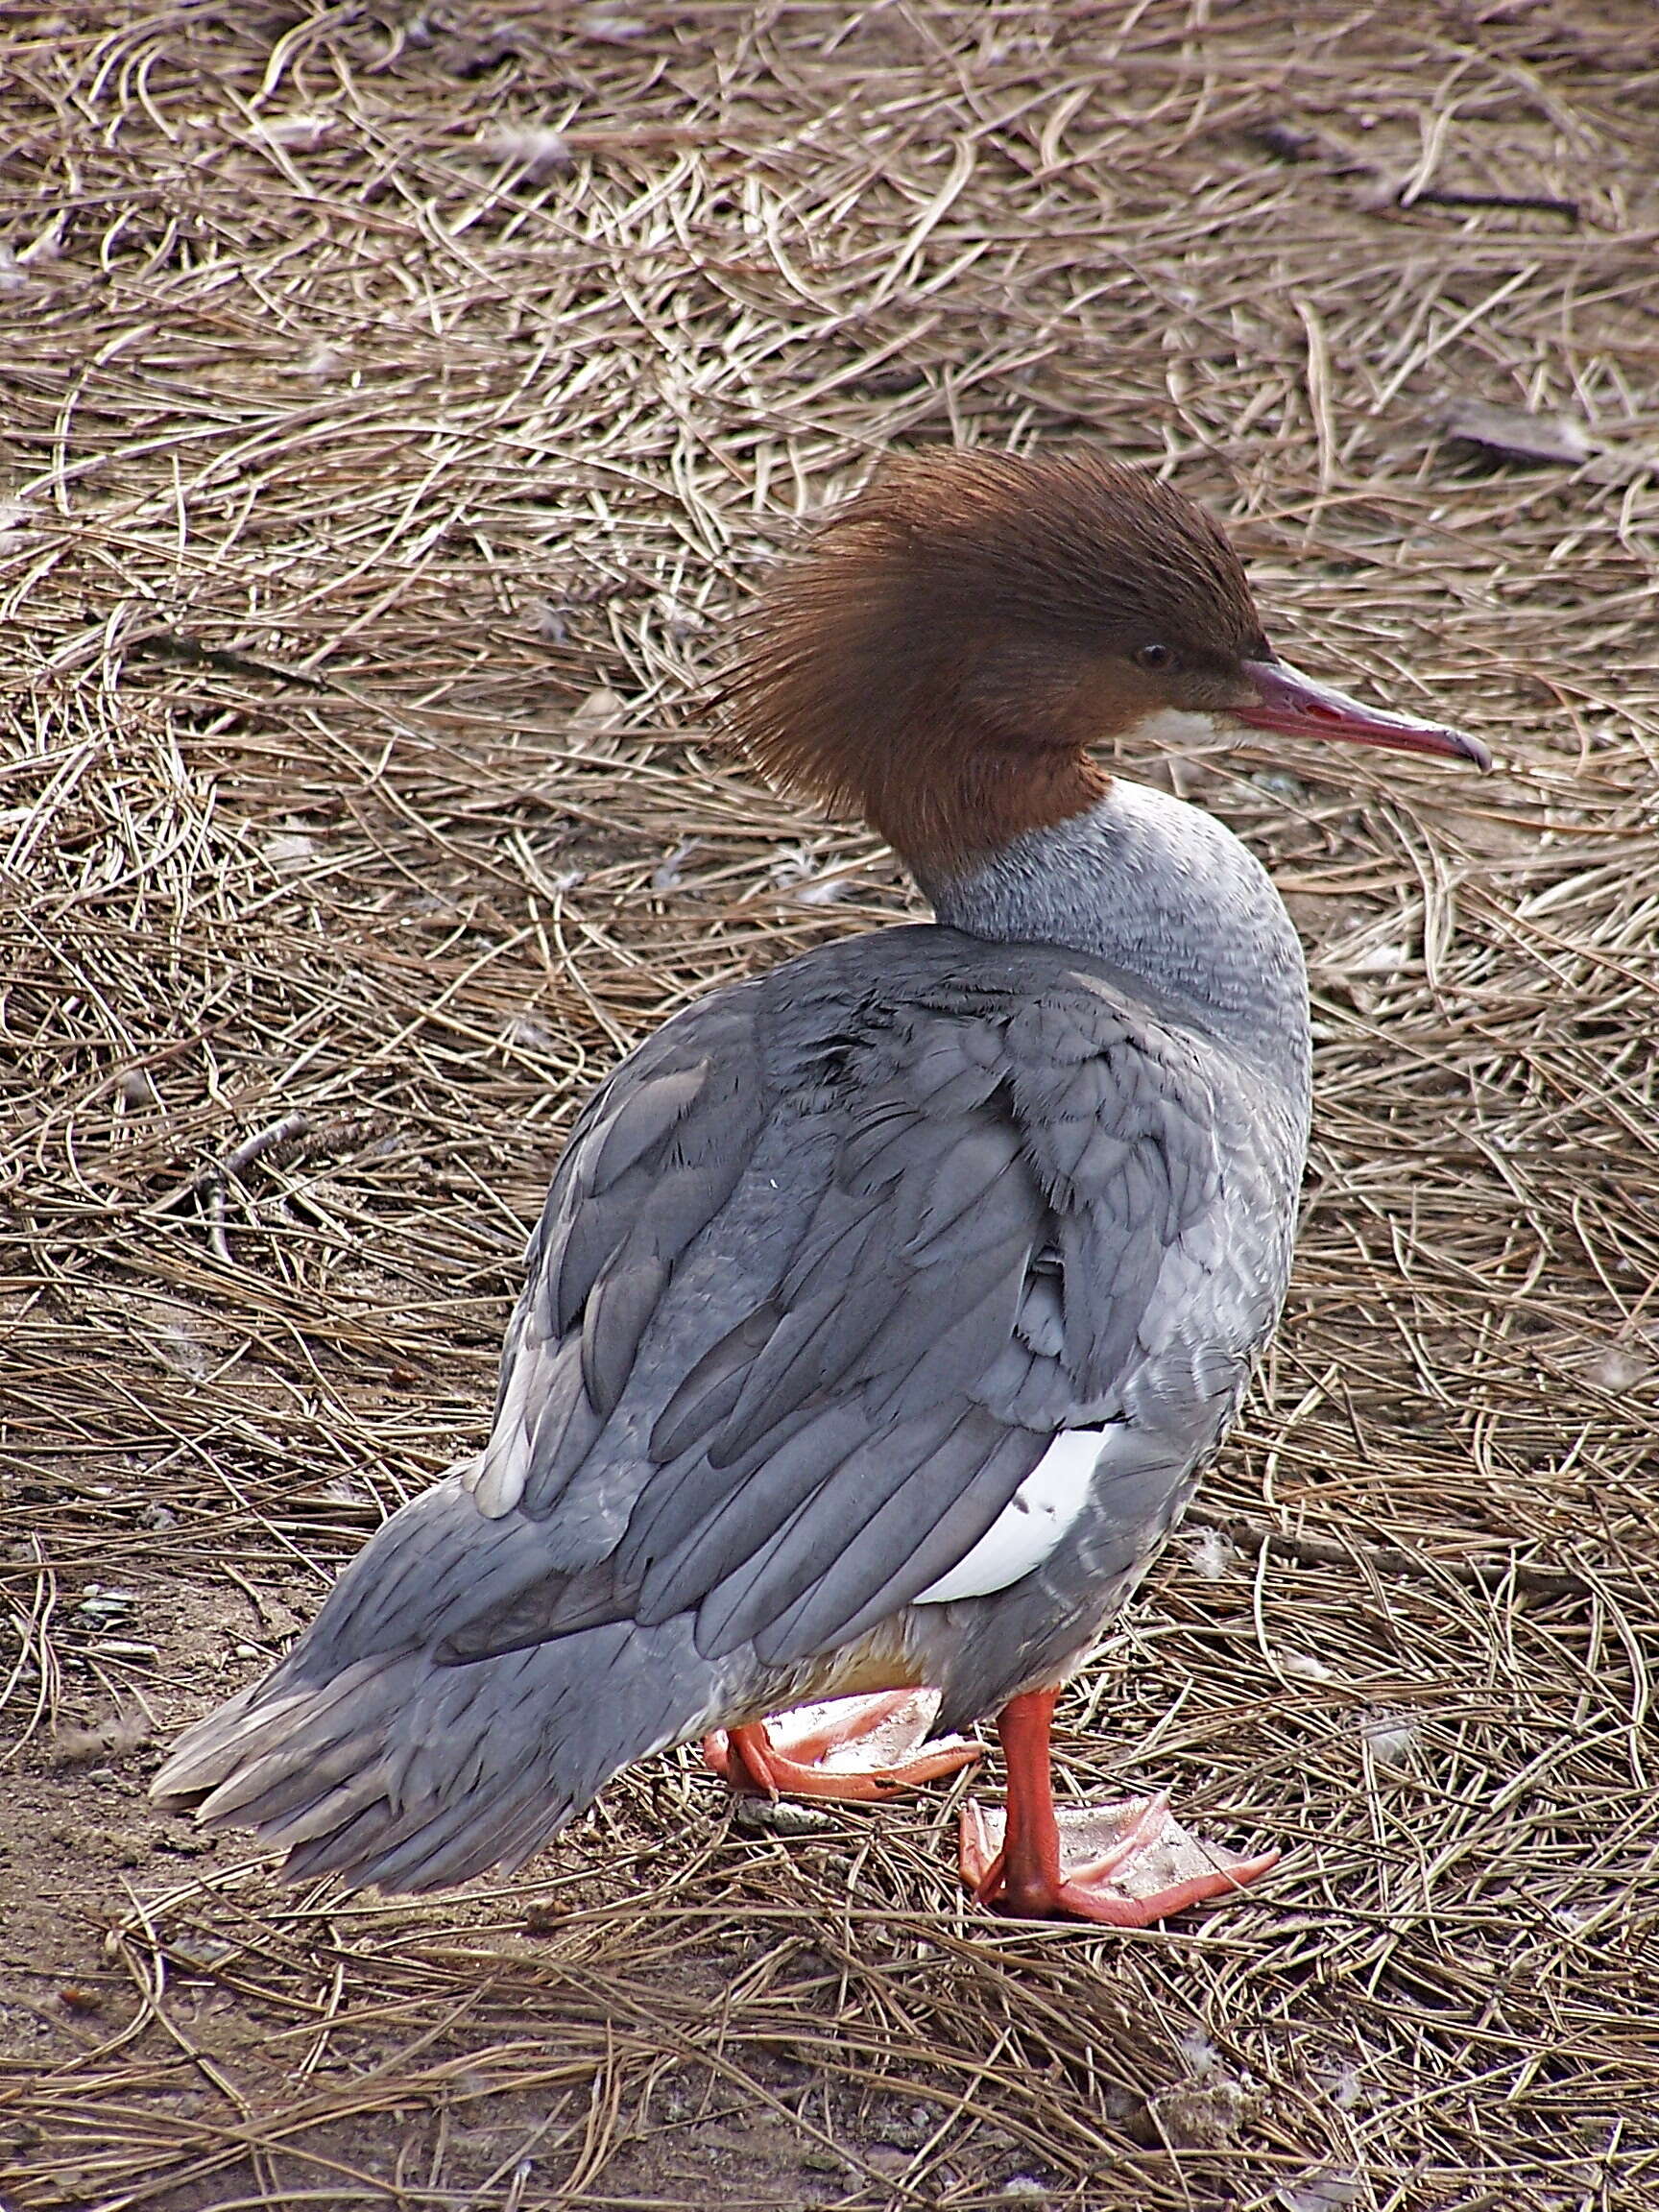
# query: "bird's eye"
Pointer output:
{"type": "Point", "coordinates": [1153, 656]}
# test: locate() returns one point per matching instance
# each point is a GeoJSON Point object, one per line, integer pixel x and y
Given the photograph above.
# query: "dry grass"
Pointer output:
{"type": "Point", "coordinates": [381, 478]}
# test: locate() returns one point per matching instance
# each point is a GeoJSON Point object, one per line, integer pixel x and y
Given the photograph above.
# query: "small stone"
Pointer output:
{"type": "Point", "coordinates": [761, 1817]}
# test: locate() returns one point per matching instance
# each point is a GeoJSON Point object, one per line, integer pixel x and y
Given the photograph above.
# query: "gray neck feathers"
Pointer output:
{"type": "Point", "coordinates": [1162, 890]}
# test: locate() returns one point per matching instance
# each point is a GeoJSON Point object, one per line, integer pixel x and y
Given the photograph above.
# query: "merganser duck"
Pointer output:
{"type": "Point", "coordinates": [886, 1308]}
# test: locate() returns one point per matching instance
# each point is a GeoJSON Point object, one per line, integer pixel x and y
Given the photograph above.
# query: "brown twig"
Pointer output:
{"type": "Point", "coordinates": [214, 1179]}
{"type": "Point", "coordinates": [1480, 1574]}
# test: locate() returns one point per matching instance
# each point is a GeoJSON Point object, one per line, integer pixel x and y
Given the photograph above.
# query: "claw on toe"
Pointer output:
{"type": "Point", "coordinates": [1125, 1864]}
{"type": "Point", "coordinates": [859, 1749]}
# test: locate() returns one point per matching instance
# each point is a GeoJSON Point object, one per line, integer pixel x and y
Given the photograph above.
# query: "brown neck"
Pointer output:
{"type": "Point", "coordinates": [949, 756]}
{"type": "Point", "coordinates": [945, 809]}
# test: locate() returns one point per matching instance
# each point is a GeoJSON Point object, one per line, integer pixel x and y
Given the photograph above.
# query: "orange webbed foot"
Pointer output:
{"type": "Point", "coordinates": [864, 1749]}
{"type": "Point", "coordinates": [1124, 1865]}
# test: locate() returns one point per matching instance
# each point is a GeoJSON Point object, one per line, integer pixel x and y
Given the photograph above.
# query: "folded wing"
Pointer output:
{"type": "Point", "coordinates": [820, 1278]}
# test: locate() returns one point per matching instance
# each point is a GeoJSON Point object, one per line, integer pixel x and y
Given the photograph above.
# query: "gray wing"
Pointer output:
{"type": "Point", "coordinates": [823, 1271]}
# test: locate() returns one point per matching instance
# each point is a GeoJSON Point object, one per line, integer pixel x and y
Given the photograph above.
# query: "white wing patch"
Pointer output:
{"type": "Point", "coordinates": [1030, 1525]}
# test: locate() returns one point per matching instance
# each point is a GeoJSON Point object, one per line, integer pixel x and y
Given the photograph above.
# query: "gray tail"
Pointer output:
{"type": "Point", "coordinates": [385, 1766]}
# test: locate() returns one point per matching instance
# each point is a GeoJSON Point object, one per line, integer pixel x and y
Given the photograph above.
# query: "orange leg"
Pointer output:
{"type": "Point", "coordinates": [1127, 1865]}
{"type": "Point", "coordinates": [862, 1748]}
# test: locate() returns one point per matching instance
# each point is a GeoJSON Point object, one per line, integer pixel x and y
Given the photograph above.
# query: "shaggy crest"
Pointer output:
{"type": "Point", "coordinates": [953, 642]}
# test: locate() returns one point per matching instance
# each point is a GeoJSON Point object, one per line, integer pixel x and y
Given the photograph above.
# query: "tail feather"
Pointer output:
{"type": "Point", "coordinates": [386, 1767]}
{"type": "Point", "coordinates": [413, 1776]}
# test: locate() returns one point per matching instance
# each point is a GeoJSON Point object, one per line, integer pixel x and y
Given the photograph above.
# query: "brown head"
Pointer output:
{"type": "Point", "coordinates": [958, 641]}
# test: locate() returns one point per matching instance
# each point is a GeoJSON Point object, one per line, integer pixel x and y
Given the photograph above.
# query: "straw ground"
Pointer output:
{"type": "Point", "coordinates": [397, 403]}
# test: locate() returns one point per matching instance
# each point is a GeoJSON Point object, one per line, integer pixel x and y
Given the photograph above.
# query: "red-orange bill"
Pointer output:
{"type": "Point", "coordinates": [1296, 705]}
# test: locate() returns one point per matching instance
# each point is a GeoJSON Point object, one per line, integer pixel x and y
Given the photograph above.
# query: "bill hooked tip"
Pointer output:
{"type": "Point", "coordinates": [1296, 705]}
